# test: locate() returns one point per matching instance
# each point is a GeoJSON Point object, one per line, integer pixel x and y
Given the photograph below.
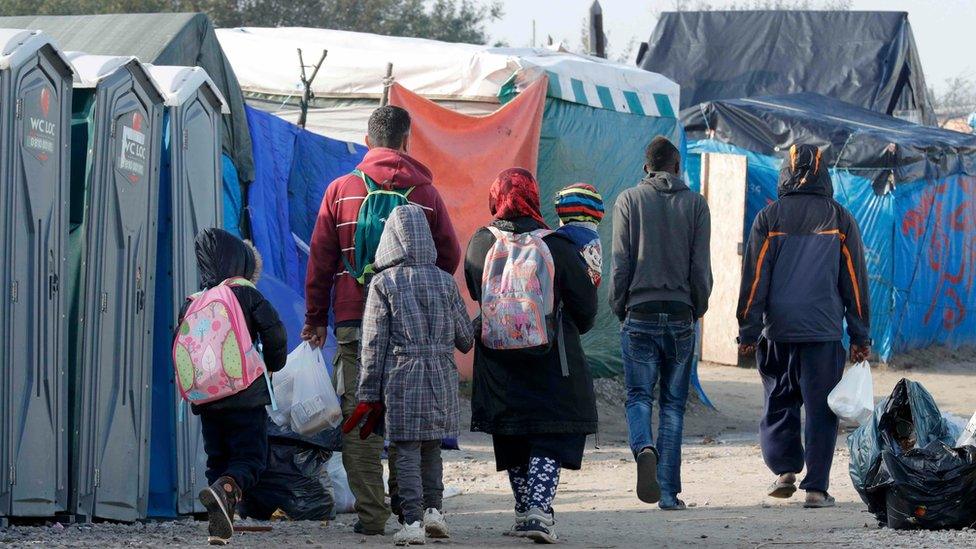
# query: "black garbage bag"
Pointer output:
{"type": "Point", "coordinates": [296, 481]}
{"type": "Point", "coordinates": [931, 488]}
{"type": "Point", "coordinates": [907, 419]}
{"type": "Point", "coordinates": [329, 439]}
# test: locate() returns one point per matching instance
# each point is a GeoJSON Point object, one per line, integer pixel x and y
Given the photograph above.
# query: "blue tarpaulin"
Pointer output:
{"type": "Point", "coordinates": [292, 168]}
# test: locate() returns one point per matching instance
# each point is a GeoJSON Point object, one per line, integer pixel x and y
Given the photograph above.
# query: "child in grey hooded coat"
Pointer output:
{"type": "Point", "coordinates": [414, 320]}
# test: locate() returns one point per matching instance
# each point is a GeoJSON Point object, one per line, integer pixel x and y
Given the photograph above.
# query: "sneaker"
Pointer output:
{"type": "Point", "coordinates": [818, 500]}
{"type": "Point", "coordinates": [784, 487]}
{"type": "Point", "coordinates": [648, 490]}
{"type": "Point", "coordinates": [435, 525]}
{"type": "Point", "coordinates": [538, 526]}
{"type": "Point", "coordinates": [220, 500]}
{"type": "Point", "coordinates": [362, 530]}
{"type": "Point", "coordinates": [518, 529]}
{"type": "Point", "coordinates": [410, 534]}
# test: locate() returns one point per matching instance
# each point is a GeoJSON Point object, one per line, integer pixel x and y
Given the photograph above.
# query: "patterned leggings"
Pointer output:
{"type": "Point", "coordinates": [534, 485]}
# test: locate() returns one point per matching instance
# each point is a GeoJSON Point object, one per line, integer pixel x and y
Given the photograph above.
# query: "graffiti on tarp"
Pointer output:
{"type": "Point", "coordinates": [944, 225]}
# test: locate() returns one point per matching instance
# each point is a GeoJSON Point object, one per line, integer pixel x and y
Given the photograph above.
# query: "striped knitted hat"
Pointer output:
{"type": "Point", "coordinates": [579, 202]}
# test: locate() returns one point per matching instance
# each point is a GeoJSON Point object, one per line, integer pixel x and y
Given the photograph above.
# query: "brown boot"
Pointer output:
{"type": "Point", "coordinates": [220, 499]}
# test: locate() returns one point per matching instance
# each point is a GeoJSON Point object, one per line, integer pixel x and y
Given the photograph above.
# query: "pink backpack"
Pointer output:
{"type": "Point", "coordinates": [213, 353]}
{"type": "Point", "coordinates": [517, 292]}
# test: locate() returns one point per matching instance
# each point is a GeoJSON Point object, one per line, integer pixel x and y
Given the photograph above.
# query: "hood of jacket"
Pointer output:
{"type": "Point", "coordinates": [406, 239]}
{"type": "Point", "coordinates": [803, 173]}
{"type": "Point", "coordinates": [221, 255]}
{"type": "Point", "coordinates": [394, 169]}
{"type": "Point", "coordinates": [665, 182]}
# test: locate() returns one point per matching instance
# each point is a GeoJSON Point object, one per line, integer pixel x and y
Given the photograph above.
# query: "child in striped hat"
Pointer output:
{"type": "Point", "coordinates": [580, 209]}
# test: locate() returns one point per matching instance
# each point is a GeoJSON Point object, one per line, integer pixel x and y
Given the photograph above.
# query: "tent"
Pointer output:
{"type": "Point", "coordinates": [868, 59]}
{"type": "Point", "coordinates": [596, 115]}
{"type": "Point", "coordinates": [182, 39]}
{"type": "Point", "coordinates": [910, 188]}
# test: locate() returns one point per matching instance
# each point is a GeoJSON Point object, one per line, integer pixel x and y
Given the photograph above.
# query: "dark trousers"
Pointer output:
{"type": "Point", "coordinates": [794, 375]}
{"type": "Point", "coordinates": [236, 442]}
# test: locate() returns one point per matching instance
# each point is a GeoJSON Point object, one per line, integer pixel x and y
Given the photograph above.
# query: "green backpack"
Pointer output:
{"type": "Point", "coordinates": [377, 206]}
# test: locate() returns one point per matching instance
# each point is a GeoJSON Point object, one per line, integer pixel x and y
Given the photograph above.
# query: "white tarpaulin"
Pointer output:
{"type": "Point", "coordinates": [265, 61]}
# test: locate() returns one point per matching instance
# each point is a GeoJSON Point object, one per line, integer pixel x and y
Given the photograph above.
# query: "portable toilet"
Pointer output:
{"type": "Point", "coordinates": [190, 200]}
{"type": "Point", "coordinates": [35, 117]}
{"type": "Point", "coordinates": [117, 121]}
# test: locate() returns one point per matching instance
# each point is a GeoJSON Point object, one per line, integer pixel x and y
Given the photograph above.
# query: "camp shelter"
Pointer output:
{"type": "Point", "coordinates": [910, 188]}
{"type": "Point", "coordinates": [35, 119]}
{"type": "Point", "coordinates": [177, 39]}
{"type": "Point", "coordinates": [865, 58]}
{"type": "Point", "coordinates": [116, 145]}
{"type": "Point", "coordinates": [597, 116]}
{"type": "Point", "coordinates": [190, 198]}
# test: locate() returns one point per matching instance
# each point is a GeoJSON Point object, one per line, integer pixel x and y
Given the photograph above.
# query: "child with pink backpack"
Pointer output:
{"type": "Point", "coordinates": [228, 340]}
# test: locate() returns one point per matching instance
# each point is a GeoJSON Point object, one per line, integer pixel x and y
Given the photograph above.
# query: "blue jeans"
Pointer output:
{"type": "Point", "coordinates": [658, 350]}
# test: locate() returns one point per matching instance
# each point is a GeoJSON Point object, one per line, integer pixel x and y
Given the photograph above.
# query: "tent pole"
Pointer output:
{"type": "Point", "coordinates": [387, 82]}
{"type": "Point", "coordinates": [307, 94]}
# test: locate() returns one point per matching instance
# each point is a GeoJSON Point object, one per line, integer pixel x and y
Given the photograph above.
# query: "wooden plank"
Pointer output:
{"type": "Point", "coordinates": [724, 187]}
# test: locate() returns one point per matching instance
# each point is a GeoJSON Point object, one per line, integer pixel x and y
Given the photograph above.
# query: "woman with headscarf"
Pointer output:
{"type": "Point", "coordinates": [538, 407]}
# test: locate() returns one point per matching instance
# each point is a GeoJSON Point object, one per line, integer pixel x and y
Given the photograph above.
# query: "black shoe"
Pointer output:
{"type": "Point", "coordinates": [220, 499]}
{"type": "Point", "coordinates": [360, 529]}
{"type": "Point", "coordinates": [648, 490]}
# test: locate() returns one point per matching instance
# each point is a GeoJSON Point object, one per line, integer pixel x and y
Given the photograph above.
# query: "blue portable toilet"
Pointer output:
{"type": "Point", "coordinates": [35, 121]}
{"type": "Point", "coordinates": [190, 200]}
{"type": "Point", "coordinates": [116, 132]}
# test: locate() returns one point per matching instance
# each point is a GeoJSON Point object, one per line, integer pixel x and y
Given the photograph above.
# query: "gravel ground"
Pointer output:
{"type": "Point", "coordinates": [723, 475]}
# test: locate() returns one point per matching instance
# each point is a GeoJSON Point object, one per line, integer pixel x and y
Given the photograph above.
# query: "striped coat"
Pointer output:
{"type": "Point", "coordinates": [414, 320]}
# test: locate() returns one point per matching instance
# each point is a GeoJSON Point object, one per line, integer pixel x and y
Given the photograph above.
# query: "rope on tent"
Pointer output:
{"type": "Point", "coordinates": [307, 85]}
{"type": "Point", "coordinates": [387, 83]}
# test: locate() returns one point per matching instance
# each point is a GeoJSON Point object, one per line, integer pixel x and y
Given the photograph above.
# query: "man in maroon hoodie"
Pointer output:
{"type": "Point", "coordinates": [327, 284]}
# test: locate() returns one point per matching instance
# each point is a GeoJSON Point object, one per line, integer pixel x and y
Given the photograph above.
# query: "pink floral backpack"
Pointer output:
{"type": "Point", "coordinates": [517, 292]}
{"type": "Point", "coordinates": [213, 354]}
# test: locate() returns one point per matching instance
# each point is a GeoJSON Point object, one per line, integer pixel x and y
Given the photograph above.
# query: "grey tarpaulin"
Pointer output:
{"type": "Point", "coordinates": [185, 39]}
{"type": "Point", "coordinates": [868, 59]}
{"type": "Point", "coordinates": [875, 145]}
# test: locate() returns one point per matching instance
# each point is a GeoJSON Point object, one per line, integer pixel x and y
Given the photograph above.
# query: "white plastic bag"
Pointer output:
{"type": "Point", "coordinates": [968, 436]}
{"type": "Point", "coordinates": [314, 405]}
{"type": "Point", "coordinates": [284, 390]}
{"type": "Point", "coordinates": [345, 502]}
{"type": "Point", "coordinates": [853, 398]}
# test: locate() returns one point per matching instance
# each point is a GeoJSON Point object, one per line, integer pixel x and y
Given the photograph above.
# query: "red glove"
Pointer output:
{"type": "Point", "coordinates": [372, 411]}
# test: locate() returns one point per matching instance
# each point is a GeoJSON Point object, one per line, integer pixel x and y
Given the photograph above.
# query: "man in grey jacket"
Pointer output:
{"type": "Point", "coordinates": [659, 286]}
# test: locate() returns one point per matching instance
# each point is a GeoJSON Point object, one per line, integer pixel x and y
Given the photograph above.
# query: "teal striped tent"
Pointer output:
{"type": "Point", "coordinates": [598, 115]}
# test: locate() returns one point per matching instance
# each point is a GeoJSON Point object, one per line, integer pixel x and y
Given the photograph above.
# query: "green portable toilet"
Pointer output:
{"type": "Point", "coordinates": [35, 117]}
{"type": "Point", "coordinates": [117, 121]}
{"type": "Point", "coordinates": [191, 196]}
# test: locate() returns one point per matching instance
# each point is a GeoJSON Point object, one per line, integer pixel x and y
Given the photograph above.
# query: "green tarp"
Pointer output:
{"type": "Point", "coordinates": [605, 148]}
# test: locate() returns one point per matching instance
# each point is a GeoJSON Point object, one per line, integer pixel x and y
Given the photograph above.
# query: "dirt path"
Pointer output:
{"type": "Point", "coordinates": [723, 476]}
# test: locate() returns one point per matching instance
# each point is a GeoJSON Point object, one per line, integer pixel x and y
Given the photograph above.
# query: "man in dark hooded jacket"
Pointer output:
{"type": "Point", "coordinates": [804, 275]}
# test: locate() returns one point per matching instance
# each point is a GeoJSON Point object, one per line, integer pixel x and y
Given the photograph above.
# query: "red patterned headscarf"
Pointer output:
{"type": "Point", "coordinates": [515, 193]}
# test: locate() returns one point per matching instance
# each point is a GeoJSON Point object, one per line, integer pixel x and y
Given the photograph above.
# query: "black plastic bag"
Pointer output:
{"type": "Point", "coordinates": [932, 488]}
{"type": "Point", "coordinates": [902, 425]}
{"type": "Point", "coordinates": [296, 481]}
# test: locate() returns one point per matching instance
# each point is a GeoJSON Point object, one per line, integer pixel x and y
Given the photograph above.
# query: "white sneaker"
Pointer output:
{"type": "Point", "coordinates": [435, 525]}
{"type": "Point", "coordinates": [410, 534]}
